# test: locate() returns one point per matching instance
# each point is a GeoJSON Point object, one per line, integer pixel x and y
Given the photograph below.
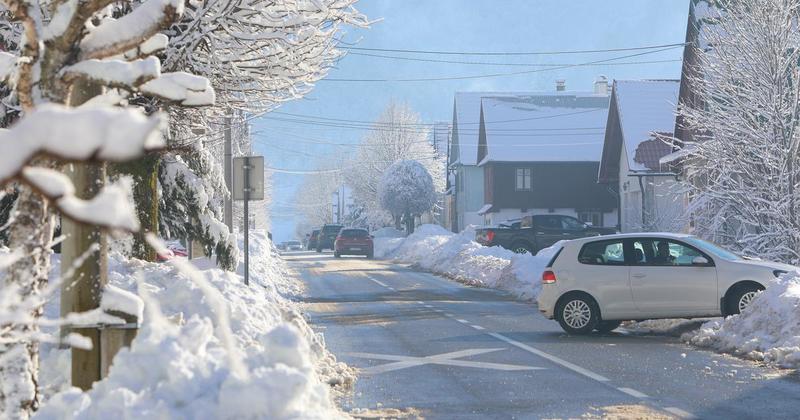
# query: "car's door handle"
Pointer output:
{"type": "Point", "coordinates": [638, 275]}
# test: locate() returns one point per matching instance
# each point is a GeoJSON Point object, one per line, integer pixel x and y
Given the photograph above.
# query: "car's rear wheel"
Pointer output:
{"type": "Point", "coordinates": [741, 297]}
{"type": "Point", "coordinates": [337, 255]}
{"type": "Point", "coordinates": [607, 326]}
{"type": "Point", "coordinates": [319, 249]}
{"type": "Point", "coordinates": [522, 248]}
{"type": "Point", "coordinates": [578, 314]}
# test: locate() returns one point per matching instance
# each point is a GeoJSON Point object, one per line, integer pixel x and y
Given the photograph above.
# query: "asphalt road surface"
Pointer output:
{"type": "Point", "coordinates": [430, 347]}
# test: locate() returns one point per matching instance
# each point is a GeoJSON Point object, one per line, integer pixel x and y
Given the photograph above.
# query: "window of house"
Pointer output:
{"type": "Point", "coordinates": [523, 179]}
{"type": "Point", "coordinates": [593, 217]}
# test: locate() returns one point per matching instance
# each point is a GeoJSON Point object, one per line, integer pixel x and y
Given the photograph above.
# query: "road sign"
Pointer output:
{"type": "Point", "coordinates": [251, 177]}
{"type": "Point", "coordinates": [248, 184]}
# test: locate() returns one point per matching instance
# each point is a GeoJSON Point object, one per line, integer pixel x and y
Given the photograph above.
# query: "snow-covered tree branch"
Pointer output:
{"type": "Point", "coordinates": [744, 171]}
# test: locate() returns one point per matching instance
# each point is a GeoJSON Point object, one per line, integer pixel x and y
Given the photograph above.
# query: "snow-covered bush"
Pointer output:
{"type": "Point", "coordinates": [768, 329]}
{"type": "Point", "coordinates": [406, 191]}
{"type": "Point", "coordinates": [743, 173]}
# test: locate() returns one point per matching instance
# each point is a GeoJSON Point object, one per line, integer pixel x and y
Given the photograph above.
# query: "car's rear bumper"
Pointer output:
{"type": "Point", "coordinates": [547, 301]}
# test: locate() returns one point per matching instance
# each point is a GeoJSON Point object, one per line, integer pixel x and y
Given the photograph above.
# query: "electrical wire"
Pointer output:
{"type": "Point", "coordinates": [499, 64]}
{"type": "Point", "coordinates": [491, 75]}
{"type": "Point", "coordinates": [494, 53]}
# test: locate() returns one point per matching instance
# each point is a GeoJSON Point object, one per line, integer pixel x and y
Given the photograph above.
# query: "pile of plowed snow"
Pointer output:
{"type": "Point", "coordinates": [209, 347]}
{"type": "Point", "coordinates": [768, 329]}
{"type": "Point", "coordinates": [458, 256]}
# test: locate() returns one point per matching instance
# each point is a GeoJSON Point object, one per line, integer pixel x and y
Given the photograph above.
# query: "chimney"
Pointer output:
{"type": "Point", "coordinates": [561, 85]}
{"type": "Point", "coordinates": [601, 85]}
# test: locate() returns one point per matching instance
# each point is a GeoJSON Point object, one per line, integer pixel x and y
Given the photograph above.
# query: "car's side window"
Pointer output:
{"type": "Point", "coordinates": [547, 222]}
{"type": "Point", "coordinates": [663, 252]}
{"type": "Point", "coordinates": [568, 223]}
{"type": "Point", "coordinates": [609, 252]}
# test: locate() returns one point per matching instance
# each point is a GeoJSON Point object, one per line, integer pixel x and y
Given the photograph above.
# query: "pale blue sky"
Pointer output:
{"type": "Point", "coordinates": [463, 25]}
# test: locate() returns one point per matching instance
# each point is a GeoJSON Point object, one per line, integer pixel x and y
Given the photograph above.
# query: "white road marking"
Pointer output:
{"type": "Point", "coordinates": [477, 327]}
{"type": "Point", "coordinates": [448, 359]}
{"type": "Point", "coordinates": [680, 413]}
{"type": "Point", "coordinates": [463, 321]}
{"type": "Point", "coordinates": [421, 303]}
{"type": "Point", "coordinates": [448, 315]}
{"type": "Point", "coordinates": [573, 367]}
{"type": "Point", "coordinates": [633, 393]}
{"type": "Point", "coordinates": [379, 282]}
{"type": "Point", "coordinates": [391, 288]}
{"type": "Point", "coordinates": [428, 306]}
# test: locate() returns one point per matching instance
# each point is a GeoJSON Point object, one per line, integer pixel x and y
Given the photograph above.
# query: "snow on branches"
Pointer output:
{"type": "Point", "coordinates": [744, 173]}
{"type": "Point", "coordinates": [406, 190]}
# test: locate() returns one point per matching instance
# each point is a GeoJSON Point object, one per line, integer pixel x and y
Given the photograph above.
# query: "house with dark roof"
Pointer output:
{"type": "Point", "coordinates": [464, 195]}
{"type": "Point", "coordinates": [641, 119]}
{"type": "Point", "coordinates": [539, 153]}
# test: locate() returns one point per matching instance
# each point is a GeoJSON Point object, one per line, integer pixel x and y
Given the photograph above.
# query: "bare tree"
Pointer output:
{"type": "Point", "coordinates": [398, 134]}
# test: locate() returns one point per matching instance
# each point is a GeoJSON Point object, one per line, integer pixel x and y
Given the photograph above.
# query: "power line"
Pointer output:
{"type": "Point", "coordinates": [515, 73]}
{"type": "Point", "coordinates": [493, 53]}
{"type": "Point", "coordinates": [483, 63]}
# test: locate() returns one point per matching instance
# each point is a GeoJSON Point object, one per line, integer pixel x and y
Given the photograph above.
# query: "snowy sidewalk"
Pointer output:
{"type": "Point", "coordinates": [209, 347]}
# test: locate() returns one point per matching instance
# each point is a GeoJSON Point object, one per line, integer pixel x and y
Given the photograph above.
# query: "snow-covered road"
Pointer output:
{"type": "Point", "coordinates": [435, 348]}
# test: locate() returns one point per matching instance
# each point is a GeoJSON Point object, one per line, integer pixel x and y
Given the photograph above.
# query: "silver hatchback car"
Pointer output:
{"type": "Point", "coordinates": [596, 283]}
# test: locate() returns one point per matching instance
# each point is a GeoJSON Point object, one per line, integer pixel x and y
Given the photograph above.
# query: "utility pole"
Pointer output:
{"type": "Point", "coordinates": [228, 210]}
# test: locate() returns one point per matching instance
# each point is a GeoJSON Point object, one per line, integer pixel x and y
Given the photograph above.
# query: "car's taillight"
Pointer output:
{"type": "Point", "coordinates": [489, 236]}
{"type": "Point", "coordinates": [548, 277]}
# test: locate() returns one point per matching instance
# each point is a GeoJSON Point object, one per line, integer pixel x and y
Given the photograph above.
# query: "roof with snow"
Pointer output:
{"type": "Point", "coordinates": [466, 123]}
{"type": "Point", "coordinates": [543, 127]}
{"type": "Point", "coordinates": [640, 109]}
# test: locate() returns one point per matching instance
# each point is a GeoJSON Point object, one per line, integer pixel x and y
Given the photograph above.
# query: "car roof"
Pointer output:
{"type": "Point", "coordinates": [665, 235]}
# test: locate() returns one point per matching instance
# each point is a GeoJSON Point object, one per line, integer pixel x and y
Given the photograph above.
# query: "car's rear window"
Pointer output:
{"type": "Point", "coordinates": [293, 243]}
{"type": "Point", "coordinates": [354, 233]}
{"type": "Point", "coordinates": [608, 252]}
{"type": "Point", "coordinates": [331, 228]}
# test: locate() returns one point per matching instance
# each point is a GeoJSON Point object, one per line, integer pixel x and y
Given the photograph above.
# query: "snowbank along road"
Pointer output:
{"type": "Point", "coordinates": [426, 346]}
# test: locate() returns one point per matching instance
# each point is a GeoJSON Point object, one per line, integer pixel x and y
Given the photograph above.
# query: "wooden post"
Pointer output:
{"type": "Point", "coordinates": [84, 290]}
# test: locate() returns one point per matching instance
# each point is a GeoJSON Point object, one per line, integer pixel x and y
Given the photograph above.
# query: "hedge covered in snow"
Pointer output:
{"type": "Point", "coordinates": [182, 365]}
{"type": "Point", "coordinates": [458, 256]}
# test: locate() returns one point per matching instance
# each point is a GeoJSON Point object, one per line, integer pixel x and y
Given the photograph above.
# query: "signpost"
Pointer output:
{"type": "Point", "coordinates": [248, 184]}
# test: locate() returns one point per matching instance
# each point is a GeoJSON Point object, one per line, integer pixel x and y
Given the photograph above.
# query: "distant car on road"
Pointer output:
{"type": "Point", "coordinates": [312, 240]}
{"type": "Point", "coordinates": [534, 233]}
{"type": "Point", "coordinates": [596, 283]}
{"type": "Point", "coordinates": [327, 236]}
{"type": "Point", "coordinates": [294, 246]}
{"type": "Point", "coordinates": [353, 242]}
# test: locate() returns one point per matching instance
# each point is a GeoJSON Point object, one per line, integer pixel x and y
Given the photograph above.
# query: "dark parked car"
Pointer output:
{"type": "Point", "coordinates": [327, 236]}
{"type": "Point", "coordinates": [312, 240]}
{"type": "Point", "coordinates": [534, 233]}
{"type": "Point", "coordinates": [353, 242]}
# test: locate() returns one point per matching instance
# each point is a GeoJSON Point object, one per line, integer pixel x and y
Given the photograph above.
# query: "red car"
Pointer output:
{"type": "Point", "coordinates": [353, 242]}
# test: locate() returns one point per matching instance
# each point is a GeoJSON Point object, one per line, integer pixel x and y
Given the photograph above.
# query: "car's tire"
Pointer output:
{"type": "Point", "coordinates": [577, 314]}
{"type": "Point", "coordinates": [319, 249]}
{"type": "Point", "coordinates": [337, 255]}
{"type": "Point", "coordinates": [522, 247]}
{"type": "Point", "coordinates": [604, 327]}
{"type": "Point", "coordinates": [370, 256]}
{"type": "Point", "coordinates": [741, 296]}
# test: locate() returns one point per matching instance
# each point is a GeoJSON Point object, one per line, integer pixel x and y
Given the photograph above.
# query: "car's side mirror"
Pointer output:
{"type": "Point", "coordinates": [699, 261]}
